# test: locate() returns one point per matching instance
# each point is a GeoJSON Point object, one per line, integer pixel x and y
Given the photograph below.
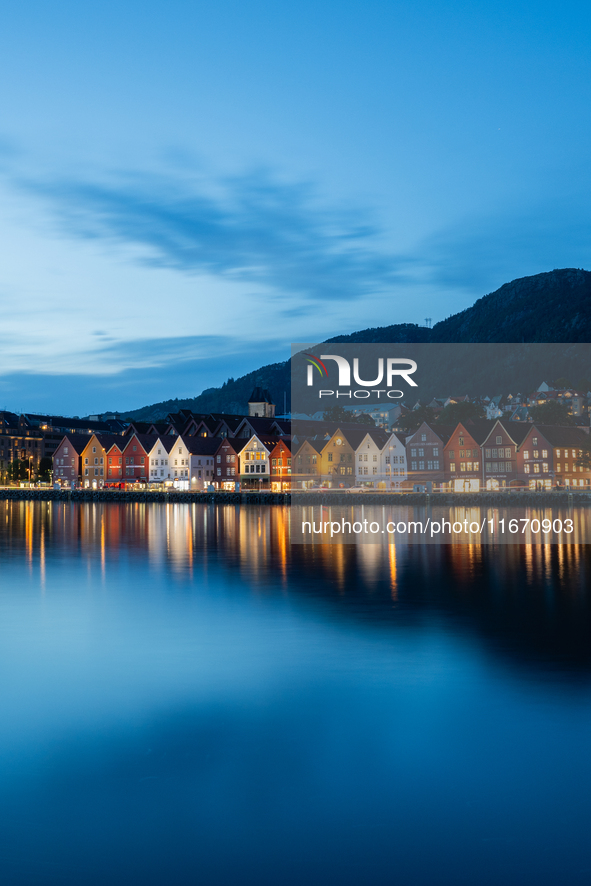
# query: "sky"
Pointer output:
{"type": "Point", "coordinates": [186, 188]}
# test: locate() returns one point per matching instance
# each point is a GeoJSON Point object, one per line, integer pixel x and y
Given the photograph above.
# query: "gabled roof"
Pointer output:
{"type": "Point", "coordinates": [558, 435]}
{"type": "Point", "coordinates": [201, 445]}
{"type": "Point", "coordinates": [356, 436]}
{"type": "Point", "coordinates": [479, 430]}
{"type": "Point", "coordinates": [286, 441]}
{"type": "Point", "coordinates": [317, 445]}
{"type": "Point", "coordinates": [158, 427]}
{"type": "Point", "coordinates": [166, 440]}
{"type": "Point", "coordinates": [444, 432]}
{"type": "Point", "coordinates": [146, 441]}
{"type": "Point", "coordinates": [237, 443]}
{"type": "Point", "coordinates": [77, 441]}
{"type": "Point", "coordinates": [137, 427]}
{"type": "Point", "coordinates": [107, 440]}
{"type": "Point", "coordinates": [515, 430]}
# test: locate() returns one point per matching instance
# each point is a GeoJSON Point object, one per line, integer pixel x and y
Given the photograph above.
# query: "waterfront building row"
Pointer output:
{"type": "Point", "coordinates": [468, 457]}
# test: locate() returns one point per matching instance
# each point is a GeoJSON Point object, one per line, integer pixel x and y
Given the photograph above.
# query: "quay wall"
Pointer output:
{"type": "Point", "coordinates": [474, 499]}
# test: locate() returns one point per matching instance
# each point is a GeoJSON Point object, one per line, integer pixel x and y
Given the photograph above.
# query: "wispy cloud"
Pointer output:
{"type": "Point", "coordinates": [253, 229]}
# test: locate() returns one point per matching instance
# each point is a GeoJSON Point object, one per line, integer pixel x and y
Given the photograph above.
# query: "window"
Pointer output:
{"type": "Point", "coordinates": [451, 455]}
{"type": "Point", "coordinates": [421, 466]}
{"type": "Point", "coordinates": [219, 458]}
{"type": "Point", "coordinates": [375, 458]}
{"type": "Point", "coordinates": [413, 453]}
{"type": "Point", "coordinates": [534, 441]}
{"type": "Point", "coordinates": [498, 439]}
{"type": "Point", "coordinates": [413, 465]}
{"type": "Point", "coordinates": [435, 465]}
{"type": "Point", "coordinates": [94, 448]}
{"type": "Point", "coordinates": [462, 453]}
{"type": "Point", "coordinates": [461, 441]}
{"type": "Point", "coordinates": [85, 461]}
{"type": "Point", "coordinates": [544, 453]}
{"type": "Point", "coordinates": [423, 438]}
{"type": "Point", "coordinates": [435, 450]}
{"type": "Point", "coordinates": [558, 466]}
{"type": "Point", "coordinates": [65, 450]}
{"type": "Point", "coordinates": [330, 456]}
{"type": "Point", "coordinates": [525, 454]}
{"type": "Point", "coordinates": [134, 448]}
{"type": "Point", "coordinates": [476, 465]}
{"type": "Point", "coordinates": [462, 466]}
{"type": "Point", "coordinates": [375, 470]}
{"type": "Point", "coordinates": [421, 452]}
{"type": "Point", "coordinates": [487, 453]}
{"type": "Point", "coordinates": [507, 467]}
{"type": "Point", "coordinates": [574, 453]}
{"type": "Point", "coordinates": [452, 466]}
{"type": "Point", "coordinates": [365, 457]}
{"type": "Point", "coordinates": [545, 467]}
{"type": "Point", "coordinates": [468, 465]}
{"type": "Point", "coordinates": [536, 469]}
{"type": "Point", "coordinates": [536, 453]}
{"type": "Point", "coordinates": [429, 465]}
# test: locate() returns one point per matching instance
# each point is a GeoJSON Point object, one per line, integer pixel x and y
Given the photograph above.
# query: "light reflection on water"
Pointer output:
{"type": "Point", "coordinates": [188, 699]}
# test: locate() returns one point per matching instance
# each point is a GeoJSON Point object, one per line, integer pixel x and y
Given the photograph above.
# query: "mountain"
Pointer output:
{"type": "Point", "coordinates": [550, 307]}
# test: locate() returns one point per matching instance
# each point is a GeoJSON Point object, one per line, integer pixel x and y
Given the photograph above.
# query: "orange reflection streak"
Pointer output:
{"type": "Point", "coordinates": [42, 557]}
{"type": "Point", "coordinates": [29, 533]}
{"type": "Point", "coordinates": [103, 553]}
{"type": "Point", "coordinates": [393, 576]}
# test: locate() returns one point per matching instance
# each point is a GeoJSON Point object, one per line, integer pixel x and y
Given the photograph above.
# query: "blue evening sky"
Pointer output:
{"type": "Point", "coordinates": [186, 188]}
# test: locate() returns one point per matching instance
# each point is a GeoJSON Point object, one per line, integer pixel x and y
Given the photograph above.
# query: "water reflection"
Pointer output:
{"type": "Point", "coordinates": [186, 698]}
{"type": "Point", "coordinates": [527, 602]}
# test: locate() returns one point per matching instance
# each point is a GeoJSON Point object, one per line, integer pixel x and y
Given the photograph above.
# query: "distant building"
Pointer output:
{"type": "Point", "coordinates": [260, 404]}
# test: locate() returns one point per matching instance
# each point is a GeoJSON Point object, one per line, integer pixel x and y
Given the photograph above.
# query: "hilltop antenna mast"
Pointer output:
{"type": "Point", "coordinates": [428, 322]}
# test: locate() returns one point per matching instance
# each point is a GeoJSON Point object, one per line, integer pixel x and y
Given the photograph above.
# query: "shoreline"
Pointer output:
{"type": "Point", "coordinates": [507, 499]}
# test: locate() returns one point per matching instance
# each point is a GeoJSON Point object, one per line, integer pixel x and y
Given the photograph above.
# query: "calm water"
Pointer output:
{"type": "Point", "coordinates": [187, 700]}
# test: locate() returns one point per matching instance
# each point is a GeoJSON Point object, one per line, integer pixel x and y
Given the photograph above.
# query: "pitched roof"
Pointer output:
{"type": "Point", "coordinates": [202, 445]}
{"type": "Point", "coordinates": [558, 435]}
{"type": "Point", "coordinates": [516, 430]}
{"type": "Point", "coordinates": [77, 441]}
{"type": "Point", "coordinates": [260, 395]}
{"type": "Point", "coordinates": [237, 443]}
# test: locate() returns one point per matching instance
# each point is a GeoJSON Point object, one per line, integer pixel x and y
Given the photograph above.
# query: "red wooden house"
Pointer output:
{"type": "Point", "coordinates": [227, 462]}
{"type": "Point", "coordinates": [135, 458]}
{"type": "Point", "coordinates": [463, 455]}
{"type": "Point", "coordinates": [550, 456]}
{"type": "Point", "coordinates": [280, 457]}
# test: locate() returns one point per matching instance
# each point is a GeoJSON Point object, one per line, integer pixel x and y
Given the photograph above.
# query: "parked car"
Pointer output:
{"type": "Point", "coordinates": [358, 489]}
